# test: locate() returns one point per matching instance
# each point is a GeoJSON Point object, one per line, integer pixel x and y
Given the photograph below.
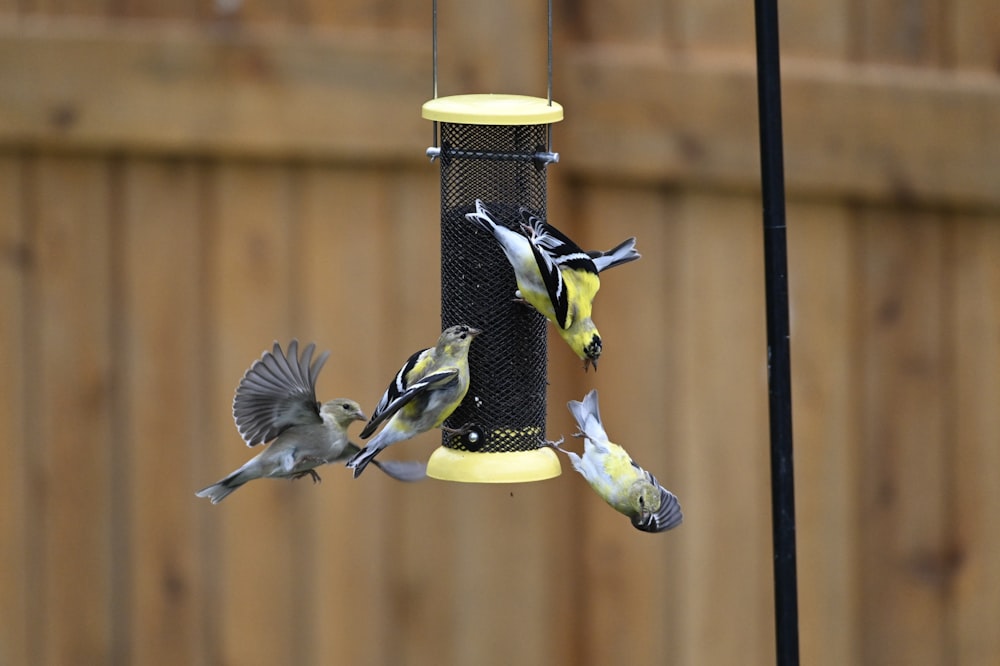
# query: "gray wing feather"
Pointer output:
{"type": "Point", "coordinates": [278, 391]}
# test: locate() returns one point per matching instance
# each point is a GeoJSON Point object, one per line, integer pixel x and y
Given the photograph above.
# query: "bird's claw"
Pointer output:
{"type": "Point", "coordinates": [316, 478]}
{"type": "Point", "coordinates": [554, 444]}
{"type": "Point", "coordinates": [311, 472]}
{"type": "Point", "coordinates": [457, 431]}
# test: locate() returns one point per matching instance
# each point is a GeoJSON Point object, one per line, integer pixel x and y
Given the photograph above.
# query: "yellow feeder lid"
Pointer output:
{"type": "Point", "coordinates": [493, 109]}
{"type": "Point", "coordinates": [448, 464]}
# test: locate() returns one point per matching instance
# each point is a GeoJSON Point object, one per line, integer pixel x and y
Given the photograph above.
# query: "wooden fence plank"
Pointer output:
{"type": "Point", "coordinates": [362, 15]}
{"type": "Point", "coordinates": [426, 597]}
{"type": "Point", "coordinates": [71, 423]}
{"type": "Point", "coordinates": [177, 10]}
{"type": "Point", "coordinates": [250, 252]}
{"type": "Point", "coordinates": [822, 254]}
{"type": "Point", "coordinates": [906, 570]}
{"type": "Point", "coordinates": [716, 26]}
{"type": "Point", "coordinates": [162, 355]}
{"type": "Point", "coordinates": [724, 457]}
{"type": "Point", "coordinates": [471, 36]}
{"type": "Point", "coordinates": [901, 32]}
{"type": "Point", "coordinates": [634, 591]}
{"type": "Point", "coordinates": [849, 131]}
{"type": "Point", "coordinates": [975, 37]}
{"type": "Point", "coordinates": [648, 23]}
{"type": "Point", "coordinates": [249, 92]}
{"type": "Point", "coordinates": [816, 29]}
{"type": "Point", "coordinates": [343, 278]}
{"type": "Point", "coordinates": [15, 564]}
{"type": "Point", "coordinates": [66, 8]}
{"type": "Point", "coordinates": [973, 605]}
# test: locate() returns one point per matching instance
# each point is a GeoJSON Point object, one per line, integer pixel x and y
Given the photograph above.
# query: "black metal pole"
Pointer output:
{"type": "Point", "coordinates": [786, 619]}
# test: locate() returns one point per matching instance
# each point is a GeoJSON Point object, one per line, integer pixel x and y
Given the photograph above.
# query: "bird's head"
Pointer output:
{"type": "Point", "coordinates": [456, 337]}
{"type": "Point", "coordinates": [592, 352]}
{"type": "Point", "coordinates": [342, 412]}
{"type": "Point", "coordinates": [645, 502]}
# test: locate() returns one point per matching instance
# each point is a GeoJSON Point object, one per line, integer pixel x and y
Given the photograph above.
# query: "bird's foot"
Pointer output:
{"type": "Point", "coordinates": [457, 432]}
{"type": "Point", "coordinates": [554, 444]}
{"type": "Point", "coordinates": [311, 472]}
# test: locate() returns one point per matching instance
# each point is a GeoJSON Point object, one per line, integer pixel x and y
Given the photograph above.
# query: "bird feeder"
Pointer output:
{"type": "Point", "coordinates": [494, 148]}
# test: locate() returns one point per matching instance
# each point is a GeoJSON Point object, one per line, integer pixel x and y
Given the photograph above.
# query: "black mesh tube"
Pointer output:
{"type": "Point", "coordinates": [504, 409]}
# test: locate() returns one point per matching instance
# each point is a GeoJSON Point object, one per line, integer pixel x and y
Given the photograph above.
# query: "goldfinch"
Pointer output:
{"type": "Point", "coordinates": [613, 475]}
{"type": "Point", "coordinates": [556, 277]}
{"type": "Point", "coordinates": [276, 402]}
{"type": "Point", "coordinates": [425, 391]}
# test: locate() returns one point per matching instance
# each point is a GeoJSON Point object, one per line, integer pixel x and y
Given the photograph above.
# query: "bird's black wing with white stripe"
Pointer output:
{"type": "Point", "coordinates": [404, 387]}
{"type": "Point", "coordinates": [278, 391]}
{"type": "Point", "coordinates": [547, 266]}
{"type": "Point", "coordinates": [560, 247]}
{"type": "Point", "coordinates": [432, 381]}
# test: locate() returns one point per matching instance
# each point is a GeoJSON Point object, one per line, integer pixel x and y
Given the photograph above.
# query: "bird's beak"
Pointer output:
{"type": "Point", "coordinates": [361, 416]}
{"type": "Point", "coordinates": [474, 332]}
{"type": "Point", "coordinates": [587, 362]}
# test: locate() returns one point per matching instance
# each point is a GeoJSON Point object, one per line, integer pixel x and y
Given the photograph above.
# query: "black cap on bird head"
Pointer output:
{"type": "Point", "coordinates": [593, 352]}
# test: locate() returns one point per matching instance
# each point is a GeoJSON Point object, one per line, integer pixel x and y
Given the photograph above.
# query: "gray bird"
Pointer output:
{"type": "Point", "coordinates": [276, 402]}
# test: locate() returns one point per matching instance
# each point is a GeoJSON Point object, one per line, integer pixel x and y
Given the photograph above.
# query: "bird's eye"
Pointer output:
{"type": "Point", "coordinates": [642, 501]}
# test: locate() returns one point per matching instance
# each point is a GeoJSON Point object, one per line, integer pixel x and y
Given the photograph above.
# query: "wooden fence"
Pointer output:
{"type": "Point", "coordinates": [183, 183]}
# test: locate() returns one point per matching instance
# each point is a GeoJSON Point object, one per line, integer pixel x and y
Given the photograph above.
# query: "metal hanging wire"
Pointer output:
{"type": "Point", "coordinates": [434, 151]}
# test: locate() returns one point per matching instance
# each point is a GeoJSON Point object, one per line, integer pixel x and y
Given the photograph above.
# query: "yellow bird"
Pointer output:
{"type": "Point", "coordinates": [556, 277]}
{"type": "Point", "coordinates": [426, 390]}
{"type": "Point", "coordinates": [619, 480]}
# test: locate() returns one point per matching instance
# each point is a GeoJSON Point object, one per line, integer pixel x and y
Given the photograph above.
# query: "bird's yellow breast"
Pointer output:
{"type": "Point", "coordinates": [618, 475]}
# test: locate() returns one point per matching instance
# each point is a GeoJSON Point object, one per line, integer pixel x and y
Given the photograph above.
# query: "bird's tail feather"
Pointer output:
{"type": "Point", "coordinates": [219, 491]}
{"type": "Point", "coordinates": [403, 470]}
{"type": "Point", "coordinates": [482, 217]}
{"type": "Point", "coordinates": [588, 417]}
{"type": "Point", "coordinates": [622, 253]}
{"type": "Point", "coordinates": [362, 458]}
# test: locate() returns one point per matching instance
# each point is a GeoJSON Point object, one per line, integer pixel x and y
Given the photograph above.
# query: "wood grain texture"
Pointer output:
{"type": "Point", "coordinates": [850, 131]}
{"type": "Point", "coordinates": [635, 580]}
{"type": "Point", "coordinates": [823, 283]}
{"type": "Point", "coordinates": [974, 35]}
{"type": "Point", "coordinates": [16, 565]}
{"type": "Point", "coordinates": [244, 92]}
{"type": "Point", "coordinates": [491, 47]}
{"type": "Point", "coordinates": [901, 32]}
{"type": "Point", "coordinates": [858, 132]}
{"type": "Point", "coordinates": [724, 462]}
{"type": "Point", "coordinates": [182, 185]}
{"type": "Point", "coordinates": [715, 26]}
{"type": "Point", "coordinates": [341, 273]}
{"type": "Point", "coordinates": [904, 403]}
{"type": "Point", "coordinates": [72, 422]}
{"type": "Point", "coordinates": [255, 543]}
{"type": "Point", "coordinates": [162, 357]}
{"type": "Point", "coordinates": [975, 326]}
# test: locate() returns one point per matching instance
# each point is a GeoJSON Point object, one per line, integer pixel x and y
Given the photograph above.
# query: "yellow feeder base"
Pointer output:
{"type": "Point", "coordinates": [508, 467]}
